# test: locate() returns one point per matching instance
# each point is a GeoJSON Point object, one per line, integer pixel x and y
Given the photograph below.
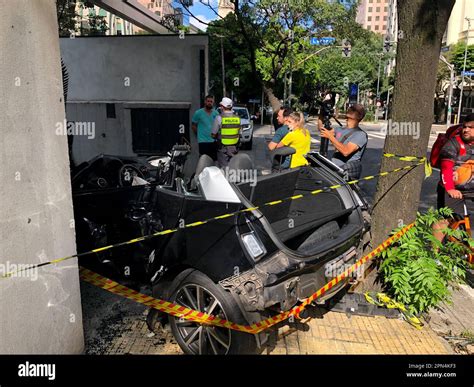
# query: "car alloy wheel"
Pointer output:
{"type": "Point", "coordinates": [198, 338]}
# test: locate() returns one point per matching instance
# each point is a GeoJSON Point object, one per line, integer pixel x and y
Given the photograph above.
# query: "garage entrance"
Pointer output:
{"type": "Point", "coordinates": [157, 130]}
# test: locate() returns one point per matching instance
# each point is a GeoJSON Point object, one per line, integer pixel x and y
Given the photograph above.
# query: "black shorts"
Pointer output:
{"type": "Point", "coordinates": [444, 200]}
{"type": "Point", "coordinates": [208, 148]}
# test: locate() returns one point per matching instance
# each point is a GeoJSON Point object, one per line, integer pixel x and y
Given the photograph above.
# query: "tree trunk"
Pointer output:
{"type": "Point", "coordinates": [422, 24]}
{"type": "Point", "coordinates": [272, 98]}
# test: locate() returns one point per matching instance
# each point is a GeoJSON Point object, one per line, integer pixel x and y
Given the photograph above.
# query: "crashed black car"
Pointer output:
{"type": "Point", "coordinates": [243, 267]}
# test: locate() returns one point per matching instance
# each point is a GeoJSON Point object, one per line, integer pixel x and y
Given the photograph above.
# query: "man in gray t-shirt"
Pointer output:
{"type": "Point", "coordinates": [350, 142]}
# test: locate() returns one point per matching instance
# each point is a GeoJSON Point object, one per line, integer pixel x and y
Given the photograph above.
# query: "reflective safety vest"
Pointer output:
{"type": "Point", "coordinates": [230, 130]}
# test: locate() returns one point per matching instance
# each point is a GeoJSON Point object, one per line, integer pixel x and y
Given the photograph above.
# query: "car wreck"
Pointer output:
{"type": "Point", "coordinates": [242, 267]}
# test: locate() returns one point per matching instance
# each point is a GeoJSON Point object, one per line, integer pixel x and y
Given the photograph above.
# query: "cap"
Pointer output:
{"type": "Point", "coordinates": [226, 102]}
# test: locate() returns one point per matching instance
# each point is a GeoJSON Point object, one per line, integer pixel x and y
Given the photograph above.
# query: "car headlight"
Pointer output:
{"type": "Point", "coordinates": [253, 245]}
{"type": "Point", "coordinates": [245, 128]}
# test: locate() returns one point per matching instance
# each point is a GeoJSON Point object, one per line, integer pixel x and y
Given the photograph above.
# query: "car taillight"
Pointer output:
{"type": "Point", "coordinates": [253, 245]}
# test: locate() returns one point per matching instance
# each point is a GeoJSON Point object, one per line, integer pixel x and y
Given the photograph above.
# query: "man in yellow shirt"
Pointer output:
{"type": "Point", "coordinates": [299, 138]}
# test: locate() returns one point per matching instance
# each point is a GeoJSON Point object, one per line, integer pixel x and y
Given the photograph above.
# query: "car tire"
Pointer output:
{"type": "Point", "coordinates": [249, 144]}
{"type": "Point", "coordinates": [194, 338]}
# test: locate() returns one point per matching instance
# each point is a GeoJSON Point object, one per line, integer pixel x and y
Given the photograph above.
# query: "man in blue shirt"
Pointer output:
{"type": "Point", "coordinates": [201, 124]}
{"type": "Point", "coordinates": [281, 132]}
{"type": "Point", "coordinates": [349, 142]}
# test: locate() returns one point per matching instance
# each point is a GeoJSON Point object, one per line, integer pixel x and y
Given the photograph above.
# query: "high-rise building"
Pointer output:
{"type": "Point", "coordinates": [374, 14]}
{"type": "Point", "coordinates": [224, 8]}
{"type": "Point", "coordinates": [169, 8]}
{"type": "Point", "coordinates": [179, 7]}
{"type": "Point", "coordinates": [115, 24]}
{"type": "Point", "coordinates": [457, 25]}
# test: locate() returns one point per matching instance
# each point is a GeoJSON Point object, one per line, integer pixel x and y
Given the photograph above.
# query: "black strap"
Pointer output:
{"type": "Point", "coordinates": [350, 133]}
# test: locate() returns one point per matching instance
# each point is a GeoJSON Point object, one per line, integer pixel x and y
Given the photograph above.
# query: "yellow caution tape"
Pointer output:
{"type": "Point", "coordinates": [200, 223]}
{"type": "Point", "coordinates": [382, 300]}
{"type": "Point", "coordinates": [428, 168]}
{"type": "Point", "coordinates": [404, 158]}
{"type": "Point", "coordinates": [203, 318]}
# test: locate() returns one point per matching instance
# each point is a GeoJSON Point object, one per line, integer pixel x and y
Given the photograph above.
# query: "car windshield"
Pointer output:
{"type": "Point", "coordinates": [242, 113]}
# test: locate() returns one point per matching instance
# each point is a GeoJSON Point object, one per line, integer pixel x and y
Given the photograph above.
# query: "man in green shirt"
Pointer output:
{"type": "Point", "coordinates": [201, 124]}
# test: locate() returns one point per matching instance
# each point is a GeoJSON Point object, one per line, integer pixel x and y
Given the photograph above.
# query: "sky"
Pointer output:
{"type": "Point", "coordinates": [202, 12]}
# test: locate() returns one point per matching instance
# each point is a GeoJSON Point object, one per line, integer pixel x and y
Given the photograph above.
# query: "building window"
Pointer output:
{"type": "Point", "coordinates": [376, 28]}
{"type": "Point", "coordinates": [369, 18]}
{"type": "Point", "coordinates": [158, 13]}
{"type": "Point", "coordinates": [385, 27]}
{"type": "Point", "coordinates": [377, 18]}
{"type": "Point", "coordinates": [369, 27]}
{"type": "Point", "coordinates": [377, 9]}
{"type": "Point", "coordinates": [385, 18]}
{"type": "Point", "coordinates": [385, 9]}
{"type": "Point", "coordinates": [370, 9]}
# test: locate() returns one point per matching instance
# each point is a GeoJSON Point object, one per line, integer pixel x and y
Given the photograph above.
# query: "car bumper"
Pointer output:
{"type": "Point", "coordinates": [258, 292]}
{"type": "Point", "coordinates": [246, 136]}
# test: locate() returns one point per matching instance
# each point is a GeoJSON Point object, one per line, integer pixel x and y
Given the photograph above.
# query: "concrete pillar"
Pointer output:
{"type": "Point", "coordinates": [40, 312]}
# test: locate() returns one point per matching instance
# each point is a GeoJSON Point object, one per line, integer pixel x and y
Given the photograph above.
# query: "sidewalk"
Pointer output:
{"type": "Point", "coordinates": [332, 333]}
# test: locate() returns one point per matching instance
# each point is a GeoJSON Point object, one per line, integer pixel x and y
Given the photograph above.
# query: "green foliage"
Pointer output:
{"type": "Point", "coordinates": [418, 270]}
{"type": "Point", "coordinates": [67, 17]}
{"type": "Point", "coordinates": [237, 60]}
{"type": "Point", "coordinates": [369, 116]}
{"type": "Point", "coordinates": [456, 56]}
{"type": "Point", "coordinates": [265, 39]}
{"type": "Point", "coordinates": [66, 14]}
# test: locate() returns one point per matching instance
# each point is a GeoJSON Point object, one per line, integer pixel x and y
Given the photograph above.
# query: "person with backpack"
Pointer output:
{"type": "Point", "coordinates": [453, 153]}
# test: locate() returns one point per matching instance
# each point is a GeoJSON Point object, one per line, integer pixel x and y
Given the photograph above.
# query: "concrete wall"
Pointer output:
{"type": "Point", "coordinates": [37, 314]}
{"type": "Point", "coordinates": [152, 71]}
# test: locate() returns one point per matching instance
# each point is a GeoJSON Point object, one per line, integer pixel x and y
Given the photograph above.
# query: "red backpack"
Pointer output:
{"type": "Point", "coordinates": [442, 139]}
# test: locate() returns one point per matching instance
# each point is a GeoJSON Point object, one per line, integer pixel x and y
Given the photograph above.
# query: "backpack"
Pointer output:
{"type": "Point", "coordinates": [442, 139]}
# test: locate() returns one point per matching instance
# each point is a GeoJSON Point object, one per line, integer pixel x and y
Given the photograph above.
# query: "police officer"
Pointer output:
{"type": "Point", "coordinates": [226, 129]}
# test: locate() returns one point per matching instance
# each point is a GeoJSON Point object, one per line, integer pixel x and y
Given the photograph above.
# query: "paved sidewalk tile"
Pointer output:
{"type": "Point", "coordinates": [334, 333]}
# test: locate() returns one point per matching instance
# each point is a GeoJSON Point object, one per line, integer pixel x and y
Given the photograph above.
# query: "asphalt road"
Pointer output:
{"type": "Point", "coordinates": [371, 160]}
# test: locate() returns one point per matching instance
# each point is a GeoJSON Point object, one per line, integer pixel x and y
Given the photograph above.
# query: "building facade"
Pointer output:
{"type": "Point", "coordinates": [115, 24]}
{"type": "Point", "coordinates": [141, 95]}
{"type": "Point", "coordinates": [224, 8]}
{"type": "Point", "coordinates": [457, 29]}
{"type": "Point", "coordinates": [374, 15]}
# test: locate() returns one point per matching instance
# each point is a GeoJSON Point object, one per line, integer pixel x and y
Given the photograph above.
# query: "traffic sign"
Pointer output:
{"type": "Point", "coordinates": [325, 41]}
{"type": "Point", "coordinates": [353, 93]}
{"type": "Point", "coordinates": [468, 73]}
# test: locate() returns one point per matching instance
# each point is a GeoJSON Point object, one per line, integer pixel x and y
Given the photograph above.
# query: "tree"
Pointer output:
{"type": "Point", "coordinates": [456, 56]}
{"type": "Point", "coordinates": [66, 12]}
{"type": "Point", "coordinates": [239, 77]}
{"type": "Point", "coordinates": [67, 18]}
{"type": "Point", "coordinates": [276, 34]}
{"type": "Point", "coordinates": [423, 23]}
